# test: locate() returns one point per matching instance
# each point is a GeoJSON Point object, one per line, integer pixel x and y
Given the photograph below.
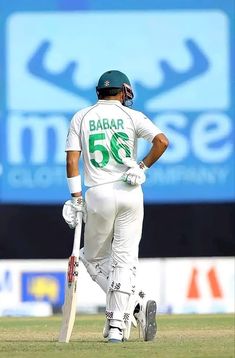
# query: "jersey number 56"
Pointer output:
{"type": "Point", "coordinates": [117, 142]}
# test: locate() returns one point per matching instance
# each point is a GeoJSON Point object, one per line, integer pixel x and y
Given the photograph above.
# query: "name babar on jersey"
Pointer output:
{"type": "Point", "coordinates": [105, 123]}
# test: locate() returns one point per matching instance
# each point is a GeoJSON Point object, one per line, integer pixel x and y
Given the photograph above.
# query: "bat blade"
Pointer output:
{"type": "Point", "coordinates": [69, 307]}
{"type": "Point", "coordinates": [70, 302]}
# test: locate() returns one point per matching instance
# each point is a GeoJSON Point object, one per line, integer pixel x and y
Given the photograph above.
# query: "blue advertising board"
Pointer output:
{"type": "Point", "coordinates": [43, 286]}
{"type": "Point", "coordinates": [180, 59]}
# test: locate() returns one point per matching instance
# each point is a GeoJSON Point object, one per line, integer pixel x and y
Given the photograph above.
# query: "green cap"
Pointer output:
{"type": "Point", "coordinates": [113, 79]}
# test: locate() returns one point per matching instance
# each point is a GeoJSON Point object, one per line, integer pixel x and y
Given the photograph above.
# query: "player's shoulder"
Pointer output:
{"type": "Point", "coordinates": [79, 115]}
{"type": "Point", "coordinates": [133, 113]}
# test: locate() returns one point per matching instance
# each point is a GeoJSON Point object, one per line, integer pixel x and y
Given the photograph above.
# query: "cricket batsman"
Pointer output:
{"type": "Point", "coordinates": [106, 136]}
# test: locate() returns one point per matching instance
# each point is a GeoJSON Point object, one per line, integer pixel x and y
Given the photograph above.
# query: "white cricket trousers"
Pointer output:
{"type": "Point", "coordinates": [111, 244]}
{"type": "Point", "coordinates": [114, 223]}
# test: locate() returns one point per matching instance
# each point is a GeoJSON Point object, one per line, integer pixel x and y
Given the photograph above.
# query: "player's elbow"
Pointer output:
{"type": "Point", "coordinates": [161, 141]}
{"type": "Point", "coordinates": [71, 162]}
{"type": "Point", "coordinates": [72, 159]}
{"type": "Point", "coordinates": [164, 142]}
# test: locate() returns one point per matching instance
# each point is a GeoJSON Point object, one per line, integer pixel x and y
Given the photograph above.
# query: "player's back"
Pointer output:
{"type": "Point", "coordinates": [106, 133]}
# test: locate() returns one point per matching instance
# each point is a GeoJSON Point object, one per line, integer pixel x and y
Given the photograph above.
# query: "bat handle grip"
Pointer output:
{"type": "Point", "coordinates": [77, 236]}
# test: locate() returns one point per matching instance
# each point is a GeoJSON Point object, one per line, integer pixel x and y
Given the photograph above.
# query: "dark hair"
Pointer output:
{"type": "Point", "coordinates": [107, 92]}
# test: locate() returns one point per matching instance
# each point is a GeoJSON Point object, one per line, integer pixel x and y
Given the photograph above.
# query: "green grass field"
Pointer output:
{"type": "Point", "coordinates": [188, 336]}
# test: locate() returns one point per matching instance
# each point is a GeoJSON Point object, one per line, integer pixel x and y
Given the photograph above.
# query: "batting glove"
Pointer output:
{"type": "Point", "coordinates": [136, 174]}
{"type": "Point", "coordinates": [70, 210]}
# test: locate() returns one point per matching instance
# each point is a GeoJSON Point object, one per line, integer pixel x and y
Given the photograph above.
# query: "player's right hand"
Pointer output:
{"type": "Point", "coordinates": [70, 210]}
{"type": "Point", "coordinates": [135, 175]}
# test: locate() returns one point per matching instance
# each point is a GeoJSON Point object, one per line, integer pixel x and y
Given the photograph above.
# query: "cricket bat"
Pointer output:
{"type": "Point", "coordinates": [70, 302]}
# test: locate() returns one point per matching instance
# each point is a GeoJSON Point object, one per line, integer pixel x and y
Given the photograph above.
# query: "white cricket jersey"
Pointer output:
{"type": "Point", "coordinates": [105, 133]}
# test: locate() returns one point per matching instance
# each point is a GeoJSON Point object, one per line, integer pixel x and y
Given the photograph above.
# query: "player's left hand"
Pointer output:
{"type": "Point", "coordinates": [136, 174]}
{"type": "Point", "coordinates": [70, 210]}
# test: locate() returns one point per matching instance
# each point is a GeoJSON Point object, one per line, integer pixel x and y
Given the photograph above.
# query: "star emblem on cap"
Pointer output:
{"type": "Point", "coordinates": [107, 83]}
